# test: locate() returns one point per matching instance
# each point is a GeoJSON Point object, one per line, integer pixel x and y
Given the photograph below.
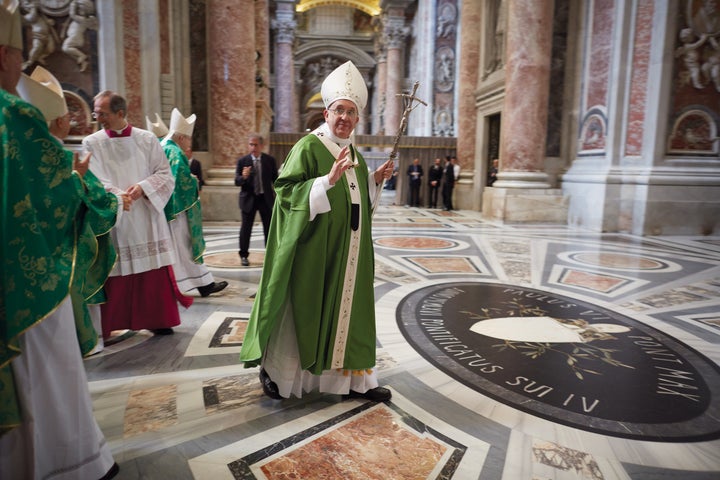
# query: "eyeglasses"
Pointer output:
{"type": "Point", "coordinates": [97, 115]}
{"type": "Point", "coordinates": [341, 111]}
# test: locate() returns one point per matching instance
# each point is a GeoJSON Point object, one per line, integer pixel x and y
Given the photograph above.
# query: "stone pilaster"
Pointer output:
{"type": "Point", "coordinates": [284, 25]}
{"type": "Point", "coordinates": [527, 76]}
{"type": "Point", "coordinates": [395, 33]}
{"type": "Point", "coordinates": [522, 192]}
{"type": "Point", "coordinates": [468, 158]}
{"type": "Point", "coordinates": [380, 81]}
{"type": "Point", "coordinates": [231, 67]}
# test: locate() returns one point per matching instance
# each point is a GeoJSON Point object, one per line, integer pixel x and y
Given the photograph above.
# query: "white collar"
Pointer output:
{"type": "Point", "coordinates": [341, 142]}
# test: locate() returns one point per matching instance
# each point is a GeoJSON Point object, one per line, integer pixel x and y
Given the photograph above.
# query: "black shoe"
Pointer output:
{"type": "Point", "coordinates": [377, 394]}
{"type": "Point", "coordinates": [269, 387]}
{"type": "Point", "coordinates": [162, 331]}
{"type": "Point", "coordinates": [213, 287]}
{"type": "Point", "coordinates": [245, 262]}
{"type": "Point", "coordinates": [112, 472]}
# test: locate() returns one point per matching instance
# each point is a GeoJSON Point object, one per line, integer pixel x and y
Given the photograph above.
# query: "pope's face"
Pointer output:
{"type": "Point", "coordinates": [342, 116]}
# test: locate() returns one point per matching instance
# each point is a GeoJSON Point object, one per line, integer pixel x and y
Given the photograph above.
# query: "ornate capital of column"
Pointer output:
{"type": "Point", "coordinates": [380, 51]}
{"type": "Point", "coordinates": [395, 31]}
{"type": "Point", "coordinates": [284, 29]}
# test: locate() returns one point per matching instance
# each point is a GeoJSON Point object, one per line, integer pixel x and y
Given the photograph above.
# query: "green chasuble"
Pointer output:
{"type": "Point", "coordinates": [305, 263]}
{"type": "Point", "coordinates": [39, 227]}
{"type": "Point", "coordinates": [185, 197]}
{"type": "Point", "coordinates": [95, 255]}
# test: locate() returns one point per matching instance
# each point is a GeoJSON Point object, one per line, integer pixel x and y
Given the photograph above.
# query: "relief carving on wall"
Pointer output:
{"type": "Point", "coordinates": [445, 68]}
{"type": "Point", "coordinates": [700, 45]}
{"type": "Point", "coordinates": [43, 37]}
{"type": "Point", "coordinates": [60, 35]}
{"type": "Point", "coordinates": [694, 131]}
{"type": "Point", "coordinates": [695, 117]}
{"type": "Point", "coordinates": [495, 42]}
{"type": "Point", "coordinates": [316, 71]}
{"type": "Point", "coordinates": [69, 33]}
{"type": "Point", "coordinates": [443, 123]}
{"type": "Point", "coordinates": [592, 136]}
{"type": "Point", "coordinates": [446, 21]}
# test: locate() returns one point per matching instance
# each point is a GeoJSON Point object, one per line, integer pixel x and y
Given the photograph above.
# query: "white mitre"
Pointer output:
{"type": "Point", "coordinates": [10, 24]}
{"type": "Point", "coordinates": [44, 91]}
{"type": "Point", "coordinates": [345, 83]}
{"type": "Point", "coordinates": [180, 124]}
{"type": "Point", "coordinates": [158, 128]}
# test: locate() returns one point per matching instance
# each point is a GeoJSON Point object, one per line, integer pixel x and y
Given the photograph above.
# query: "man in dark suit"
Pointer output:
{"type": "Point", "coordinates": [255, 174]}
{"type": "Point", "coordinates": [448, 184]}
{"type": "Point", "coordinates": [434, 180]}
{"type": "Point", "coordinates": [415, 173]}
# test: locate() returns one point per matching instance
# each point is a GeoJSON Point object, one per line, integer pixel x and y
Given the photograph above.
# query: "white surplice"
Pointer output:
{"type": "Point", "coordinates": [188, 274]}
{"type": "Point", "coordinates": [59, 437]}
{"type": "Point", "coordinates": [142, 236]}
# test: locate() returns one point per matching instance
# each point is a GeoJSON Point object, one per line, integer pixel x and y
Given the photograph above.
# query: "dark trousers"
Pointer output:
{"type": "Point", "coordinates": [447, 197]}
{"type": "Point", "coordinates": [248, 218]}
{"type": "Point", "coordinates": [433, 193]}
{"type": "Point", "coordinates": [414, 194]}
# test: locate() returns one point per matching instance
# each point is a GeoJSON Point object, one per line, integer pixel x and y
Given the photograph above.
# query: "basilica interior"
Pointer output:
{"type": "Point", "coordinates": [603, 227]}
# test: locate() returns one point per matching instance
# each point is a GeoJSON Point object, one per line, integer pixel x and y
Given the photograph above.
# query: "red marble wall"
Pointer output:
{"type": "Point", "coordinates": [231, 68]}
{"type": "Point", "coordinates": [598, 54]}
{"type": "Point", "coordinates": [165, 60]}
{"type": "Point", "coordinates": [131, 47]}
{"type": "Point", "coordinates": [639, 77]}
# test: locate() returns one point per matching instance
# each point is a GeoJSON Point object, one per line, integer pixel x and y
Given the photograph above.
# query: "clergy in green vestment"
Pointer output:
{"type": "Point", "coordinates": [46, 420]}
{"type": "Point", "coordinates": [95, 254]}
{"type": "Point", "coordinates": [184, 212]}
{"type": "Point", "coordinates": [312, 325]}
{"type": "Point", "coordinates": [185, 197]}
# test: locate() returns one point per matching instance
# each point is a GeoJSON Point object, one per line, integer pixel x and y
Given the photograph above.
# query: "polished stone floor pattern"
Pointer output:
{"type": "Point", "coordinates": [551, 392]}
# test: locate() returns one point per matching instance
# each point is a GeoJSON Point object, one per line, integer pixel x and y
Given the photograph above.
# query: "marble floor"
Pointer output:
{"type": "Point", "coordinates": [513, 352]}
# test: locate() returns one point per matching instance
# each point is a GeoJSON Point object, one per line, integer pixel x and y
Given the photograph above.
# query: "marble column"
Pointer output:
{"type": "Point", "coordinates": [470, 18]}
{"type": "Point", "coordinates": [395, 33]}
{"type": "Point", "coordinates": [263, 111]}
{"type": "Point", "coordinates": [380, 92]}
{"type": "Point", "coordinates": [262, 45]}
{"type": "Point", "coordinates": [284, 24]}
{"type": "Point", "coordinates": [527, 77]}
{"type": "Point", "coordinates": [231, 68]}
{"type": "Point", "coordinates": [132, 68]}
{"type": "Point", "coordinates": [380, 82]}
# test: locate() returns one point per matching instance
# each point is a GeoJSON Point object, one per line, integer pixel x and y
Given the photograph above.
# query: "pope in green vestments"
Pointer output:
{"type": "Point", "coordinates": [313, 322]}
{"type": "Point", "coordinates": [306, 261]}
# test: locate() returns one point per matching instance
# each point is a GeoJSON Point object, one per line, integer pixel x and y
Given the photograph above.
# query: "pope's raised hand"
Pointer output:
{"type": "Point", "coordinates": [343, 162]}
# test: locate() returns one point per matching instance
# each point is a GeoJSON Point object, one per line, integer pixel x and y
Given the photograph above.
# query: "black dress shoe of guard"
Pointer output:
{"type": "Point", "coordinates": [245, 262]}
{"type": "Point", "coordinates": [112, 472]}
{"type": "Point", "coordinates": [213, 287]}
{"type": "Point", "coordinates": [269, 387]}
{"type": "Point", "coordinates": [162, 331]}
{"type": "Point", "coordinates": [377, 394]}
